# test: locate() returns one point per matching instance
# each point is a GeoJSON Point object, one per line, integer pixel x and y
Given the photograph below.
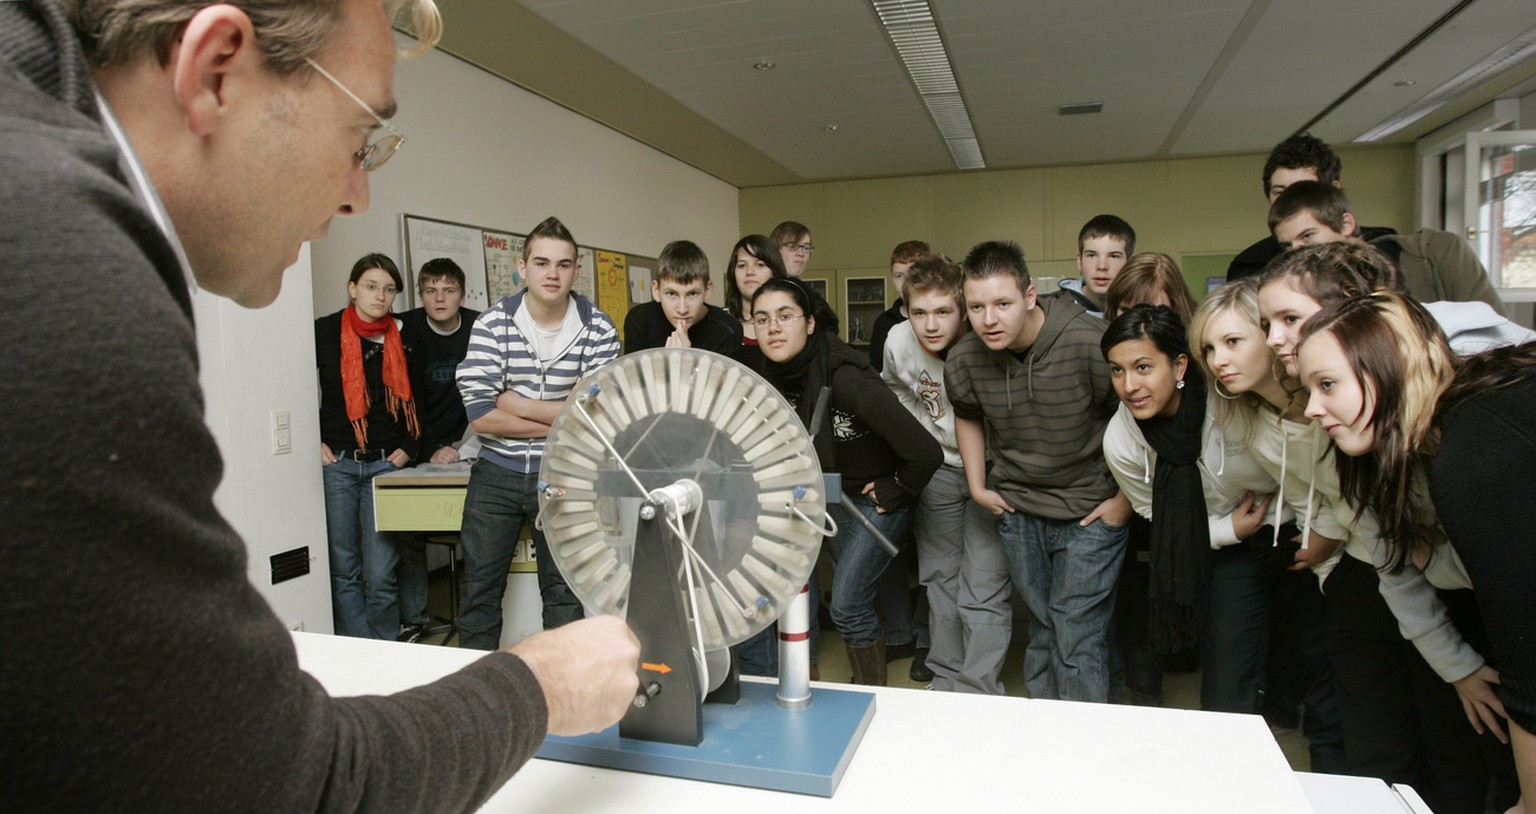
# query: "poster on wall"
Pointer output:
{"type": "Point", "coordinates": [502, 251]}
{"type": "Point", "coordinates": [613, 285]}
{"type": "Point", "coordinates": [427, 239]}
{"type": "Point", "coordinates": [639, 283]}
{"type": "Point", "coordinates": [586, 274]}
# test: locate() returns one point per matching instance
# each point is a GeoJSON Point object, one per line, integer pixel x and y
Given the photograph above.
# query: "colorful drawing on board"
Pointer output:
{"type": "Point", "coordinates": [502, 251]}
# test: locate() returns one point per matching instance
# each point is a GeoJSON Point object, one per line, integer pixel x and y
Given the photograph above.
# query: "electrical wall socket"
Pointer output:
{"type": "Point", "coordinates": [282, 432]}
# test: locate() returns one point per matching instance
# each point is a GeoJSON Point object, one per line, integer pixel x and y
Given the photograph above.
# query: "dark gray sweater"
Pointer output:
{"type": "Point", "coordinates": [141, 670]}
{"type": "Point", "coordinates": [1044, 411]}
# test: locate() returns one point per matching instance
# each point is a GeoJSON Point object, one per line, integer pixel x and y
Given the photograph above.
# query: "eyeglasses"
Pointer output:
{"type": "Point", "coordinates": [374, 154]}
{"type": "Point", "coordinates": [798, 247]}
{"type": "Point", "coordinates": [783, 320]}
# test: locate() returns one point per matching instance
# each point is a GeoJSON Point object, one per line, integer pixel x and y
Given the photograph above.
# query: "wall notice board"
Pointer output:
{"type": "Point", "coordinates": [489, 257]}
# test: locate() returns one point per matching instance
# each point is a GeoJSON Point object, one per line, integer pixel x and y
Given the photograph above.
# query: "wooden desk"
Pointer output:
{"type": "Point", "coordinates": [934, 751]}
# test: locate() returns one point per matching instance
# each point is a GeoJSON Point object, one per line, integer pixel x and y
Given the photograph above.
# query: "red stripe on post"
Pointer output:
{"type": "Point", "coordinates": [794, 637]}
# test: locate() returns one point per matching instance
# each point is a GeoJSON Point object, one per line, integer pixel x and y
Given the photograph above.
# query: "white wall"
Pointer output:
{"type": "Point", "coordinates": [255, 362]}
{"type": "Point", "coordinates": [479, 151]}
{"type": "Point", "coordinates": [482, 151]}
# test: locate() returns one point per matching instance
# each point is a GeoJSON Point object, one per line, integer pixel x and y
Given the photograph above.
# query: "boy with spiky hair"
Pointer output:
{"type": "Point", "coordinates": [525, 356]}
{"type": "Point", "coordinates": [960, 558]}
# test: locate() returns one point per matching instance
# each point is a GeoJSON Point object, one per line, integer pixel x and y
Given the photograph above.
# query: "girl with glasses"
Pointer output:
{"type": "Point", "coordinates": [368, 426]}
{"type": "Point", "coordinates": [884, 455]}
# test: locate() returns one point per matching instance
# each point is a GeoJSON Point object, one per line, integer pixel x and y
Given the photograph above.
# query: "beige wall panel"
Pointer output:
{"type": "Point", "coordinates": [1136, 192]}
{"type": "Point", "coordinates": [971, 207]}
{"type": "Point", "coordinates": [1208, 205]}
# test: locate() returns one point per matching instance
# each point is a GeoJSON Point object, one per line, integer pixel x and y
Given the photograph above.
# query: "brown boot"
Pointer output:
{"type": "Point", "coordinates": [868, 663]}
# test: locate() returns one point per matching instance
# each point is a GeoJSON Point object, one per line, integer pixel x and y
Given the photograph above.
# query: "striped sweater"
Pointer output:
{"type": "Point", "coordinates": [500, 358]}
{"type": "Point", "coordinates": [1044, 411]}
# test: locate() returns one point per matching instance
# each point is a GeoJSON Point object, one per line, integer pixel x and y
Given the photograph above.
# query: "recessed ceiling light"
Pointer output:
{"type": "Point", "coordinates": [831, 128]}
{"type": "Point", "coordinates": [765, 65]}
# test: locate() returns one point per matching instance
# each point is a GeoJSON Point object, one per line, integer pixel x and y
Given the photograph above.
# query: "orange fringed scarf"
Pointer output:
{"type": "Point", "coordinates": [397, 380]}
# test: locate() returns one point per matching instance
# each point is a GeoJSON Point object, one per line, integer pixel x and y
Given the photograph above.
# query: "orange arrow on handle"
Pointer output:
{"type": "Point", "coordinates": [655, 668]}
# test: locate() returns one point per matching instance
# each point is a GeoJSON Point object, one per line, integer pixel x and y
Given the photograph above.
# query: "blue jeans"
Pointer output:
{"type": "Point", "coordinates": [1067, 574]}
{"type": "Point", "coordinates": [363, 559]}
{"type": "Point", "coordinates": [759, 654]}
{"type": "Point", "coordinates": [411, 575]}
{"type": "Point", "coordinates": [496, 506]}
{"type": "Point", "coordinates": [859, 560]}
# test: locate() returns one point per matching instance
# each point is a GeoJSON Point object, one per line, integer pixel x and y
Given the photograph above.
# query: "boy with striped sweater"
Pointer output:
{"type": "Point", "coordinates": [1031, 393]}
{"type": "Point", "coordinates": [526, 354]}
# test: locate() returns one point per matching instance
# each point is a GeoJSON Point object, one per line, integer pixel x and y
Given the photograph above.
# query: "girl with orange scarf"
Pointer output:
{"type": "Point", "coordinates": [367, 427]}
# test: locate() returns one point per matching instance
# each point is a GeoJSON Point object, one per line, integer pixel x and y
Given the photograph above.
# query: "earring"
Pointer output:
{"type": "Point", "coordinates": [1178, 385]}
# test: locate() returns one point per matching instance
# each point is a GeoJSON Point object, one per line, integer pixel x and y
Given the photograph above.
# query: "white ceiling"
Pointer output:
{"type": "Point", "coordinates": [1176, 77]}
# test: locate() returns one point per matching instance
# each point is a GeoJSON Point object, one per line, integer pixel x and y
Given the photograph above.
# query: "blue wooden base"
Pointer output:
{"type": "Point", "coordinates": [751, 743]}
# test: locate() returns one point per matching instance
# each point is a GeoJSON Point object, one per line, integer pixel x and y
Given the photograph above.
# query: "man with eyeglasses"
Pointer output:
{"type": "Point", "coordinates": [149, 147]}
{"type": "Point", "coordinates": [679, 314]}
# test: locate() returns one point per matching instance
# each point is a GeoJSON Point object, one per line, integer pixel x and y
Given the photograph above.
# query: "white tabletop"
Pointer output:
{"type": "Point", "coordinates": [934, 751]}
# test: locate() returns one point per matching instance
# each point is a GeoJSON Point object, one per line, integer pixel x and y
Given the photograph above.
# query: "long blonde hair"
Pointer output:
{"type": "Point", "coordinates": [1231, 411]}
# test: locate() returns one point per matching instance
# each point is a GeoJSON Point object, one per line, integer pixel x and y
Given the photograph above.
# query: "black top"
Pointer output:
{"type": "Point", "coordinates": [826, 318]}
{"type": "Point", "coordinates": [1252, 260]}
{"type": "Point", "coordinates": [385, 431]}
{"type": "Point", "coordinates": [874, 439]}
{"type": "Point", "coordinates": [435, 359]}
{"type": "Point", "coordinates": [1483, 481]}
{"type": "Point", "coordinates": [647, 327]}
{"type": "Point", "coordinates": [888, 319]}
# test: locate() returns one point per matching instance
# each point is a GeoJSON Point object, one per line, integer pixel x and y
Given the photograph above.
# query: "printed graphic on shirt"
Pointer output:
{"type": "Point", "coordinates": [931, 393]}
{"type": "Point", "coordinates": [842, 426]}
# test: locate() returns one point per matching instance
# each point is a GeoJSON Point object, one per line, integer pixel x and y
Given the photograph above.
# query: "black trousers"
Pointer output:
{"type": "Point", "coordinates": [1402, 723]}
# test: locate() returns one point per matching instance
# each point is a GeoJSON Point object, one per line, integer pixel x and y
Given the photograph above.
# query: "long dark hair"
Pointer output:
{"type": "Point", "coordinates": [762, 248]}
{"type": "Point", "coordinates": [1403, 362]}
{"type": "Point", "coordinates": [1394, 346]}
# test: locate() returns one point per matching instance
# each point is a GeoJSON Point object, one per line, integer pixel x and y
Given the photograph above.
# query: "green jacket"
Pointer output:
{"type": "Point", "coordinates": [1440, 266]}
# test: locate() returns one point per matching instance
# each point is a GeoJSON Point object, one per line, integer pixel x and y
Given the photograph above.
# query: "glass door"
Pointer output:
{"type": "Point", "coordinates": [1500, 205]}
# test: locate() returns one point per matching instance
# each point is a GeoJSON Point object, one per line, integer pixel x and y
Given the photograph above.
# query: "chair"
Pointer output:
{"type": "Point", "coordinates": [450, 626]}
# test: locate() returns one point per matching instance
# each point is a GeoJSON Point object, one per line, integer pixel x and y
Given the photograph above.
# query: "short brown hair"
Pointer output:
{"type": "Point", "coordinates": [682, 262]}
{"type": "Point", "coordinates": [935, 273]}
{"type": "Point", "coordinates": [788, 231]}
{"type": "Point", "coordinates": [1144, 276]}
{"type": "Point", "coordinates": [998, 257]}
{"type": "Point", "coordinates": [908, 251]}
{"type": "Point", "coordinates": [1325, 202]}
{"type": "Point", "coordinates": [550, 228]}
{"type": "Point", "coordinates": [440, 268]}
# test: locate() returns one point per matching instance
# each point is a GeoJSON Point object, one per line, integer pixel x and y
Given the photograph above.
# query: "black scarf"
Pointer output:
{"type": "Point", "coordinates": [1181, 540]}
{"type": "Point", "coordinates": [802, 378]}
